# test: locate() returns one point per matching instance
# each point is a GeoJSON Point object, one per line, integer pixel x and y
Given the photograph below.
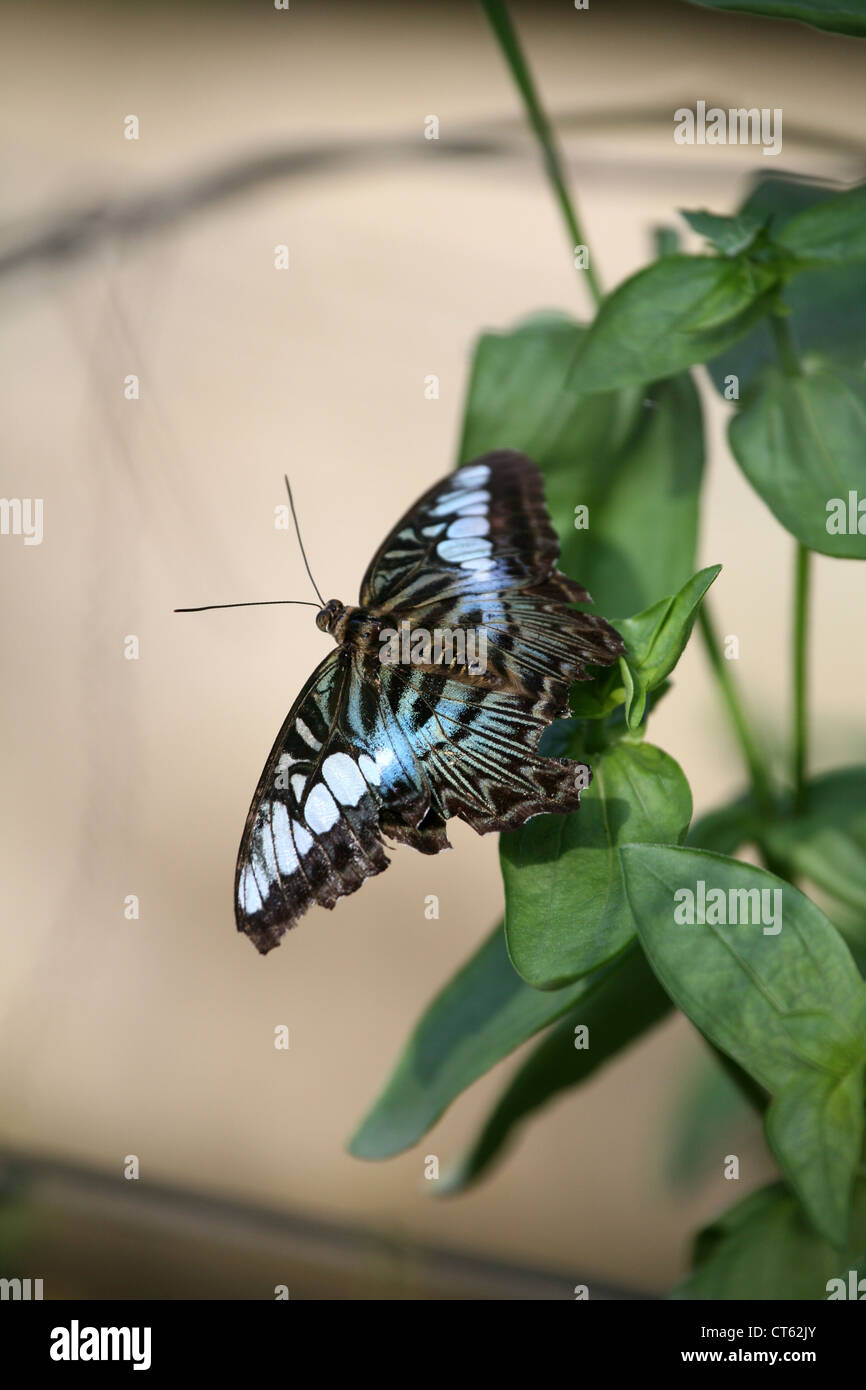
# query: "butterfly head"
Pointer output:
{"type": "Point", "coordinates": [350, 626]}
{"type": "Point", "coordinates": [328, 617]}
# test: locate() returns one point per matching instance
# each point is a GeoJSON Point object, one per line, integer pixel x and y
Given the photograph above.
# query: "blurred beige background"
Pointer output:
{"type": "Point", "coordinates": [155, 1037]}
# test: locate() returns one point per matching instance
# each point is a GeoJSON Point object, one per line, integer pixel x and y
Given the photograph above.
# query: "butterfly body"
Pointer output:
{"type": "Point", "coordinates": [460, 652]}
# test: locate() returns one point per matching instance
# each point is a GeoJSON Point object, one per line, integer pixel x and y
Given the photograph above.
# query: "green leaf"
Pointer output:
{"type": "Point", "coordinates": [827, 842]}
{"type": "Point", "coordinates": [597, 698]}
{"type": "Point", "coordinates": [481, 1015]}
{"type": "Point", "coordinates": [642, 536]}
{"type": "Point", "coordinates": [656, 639]}
{"type": "Point", "coordinates": [565, 906]}
{"type": "Point", "coordinates": [815, 1129]}
{"type": "Point", "coordinates": [730, 235]}
{"type": "Point", "coordinates": [678, 311]}
{"type": "Point", "coordinates": [634, 459]}
{"type": "Point", "coordinates": [836, 16]}
{"type": "Point", "coordinates": [523, 394]}
{"type": "Point", "coordinates": [851, 926]}
{"type": "Point", "coordinates": [620, 1002]}
{"type": "Point", "coordinates": [832, 233]}
{"type": "Point", "coordinates": [763, 1248]}
{"type": "Point", "coordinates": [727, 827]}
{"type": "Point", "coordinates": [827, 304]}
{"type": "Point", "coordinates": [800, 442]}
{"type": "Point", "coordinates": [710, 1111]}
{"type": "Point", "coordinates": [780, 995]}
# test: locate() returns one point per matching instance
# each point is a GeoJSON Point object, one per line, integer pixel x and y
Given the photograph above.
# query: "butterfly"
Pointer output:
{"type": "Point", "coordinates": [394, 734]}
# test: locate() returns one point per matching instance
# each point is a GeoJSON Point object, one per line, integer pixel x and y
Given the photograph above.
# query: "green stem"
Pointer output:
{"type": "Point", "coordinates": [800, 655]}
{"type": "Point", "coordinates": [788, 359]}
{"type": "Point", "coordinates": [500, 23]}
{"type": "Point", "coordinates": [761, 786]}
{"type": "Point", "coordinates": [790, 364]}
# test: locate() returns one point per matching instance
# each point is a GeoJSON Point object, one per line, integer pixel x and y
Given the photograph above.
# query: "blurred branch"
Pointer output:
{"type": "Point", "coordinates": [88, 1221]}
{"type": "Point", "coordinates": [72, 232]}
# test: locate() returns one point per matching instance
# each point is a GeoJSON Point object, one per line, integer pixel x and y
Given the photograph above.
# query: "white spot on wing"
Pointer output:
{"type": "Point", "coordinates": [342, 776]}
{"type": "Point", "coordinates": [303, 838]}
{"type": "Point", "coordinates": [455, 501]}
{"type": "Point", "coordinates": [369, 769]}
{"type": "Point", "coordinates": [465, 549]}
{"type": "Point", "coordinates": [305, 734]}
{"type": "Point", "coordinates": [249, 896]}
{"type": "Point", "coordinates": [468, 526]}
{"type": "Point", "coordinates": [472, 477]}
{"type": "Point", "coordinates": [321, 810]}
{"type": "Point", "coordinates": [287, 859]}
{"type": "Point", "coordinates": [298, 784]}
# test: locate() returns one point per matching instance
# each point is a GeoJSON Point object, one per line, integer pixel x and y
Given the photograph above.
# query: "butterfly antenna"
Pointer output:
{"type": "Point", "coordinates": [300, 542]}
{"type": "Point", "coordinates": [259, 603]}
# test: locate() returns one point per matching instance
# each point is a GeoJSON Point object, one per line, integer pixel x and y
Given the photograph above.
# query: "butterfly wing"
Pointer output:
{"type": "Point", "coordinates": [312, 833]}
{"type": "Point", "coordinates": [478, 553]}
{"type": "Point", "coordinates": [483, 527]}
{"type": "Point", "coordinates": [340, 775]}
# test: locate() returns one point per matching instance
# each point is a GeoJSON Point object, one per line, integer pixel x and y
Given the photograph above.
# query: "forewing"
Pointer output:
{"type": "Point", "coordinates": [483, 528]}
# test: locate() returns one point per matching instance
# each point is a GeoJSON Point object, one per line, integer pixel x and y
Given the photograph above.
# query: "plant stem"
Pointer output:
{"type": "Point", "coordinates": [800, 655]}
{"type": "Point", "coordinates": [790, 364]}
{"type": "Point", "coordinates": [500, 22]}
{"type": "Point", "coordinates": [760, 780]}
{"type": "Point", "coordinates": [788, 359]}
{"type": "Point", "coordinates": [666, 241]}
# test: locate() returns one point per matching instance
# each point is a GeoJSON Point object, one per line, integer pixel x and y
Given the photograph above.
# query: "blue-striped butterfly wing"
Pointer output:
{"type": "Point", "coordinates": [394, 749]}
{"type": "Point", "coordinates": [483, 527]}
{"type": "Point", "coordinates": [339, 775]}
{"type": "Point", "coordinates": [478, 552]}
{"type": "Point", "coordinates": [312, 833]}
